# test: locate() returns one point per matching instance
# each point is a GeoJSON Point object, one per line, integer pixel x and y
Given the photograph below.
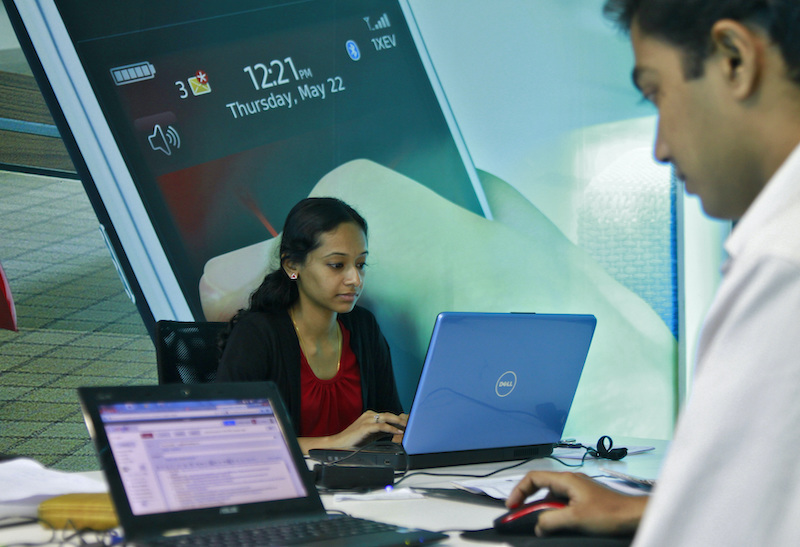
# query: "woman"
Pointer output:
{"type": "Point", "coordinates": [304, 331]}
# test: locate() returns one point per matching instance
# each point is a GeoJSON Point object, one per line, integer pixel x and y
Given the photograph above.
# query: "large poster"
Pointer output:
{"type": "Point", "coordinates": [498, 151]}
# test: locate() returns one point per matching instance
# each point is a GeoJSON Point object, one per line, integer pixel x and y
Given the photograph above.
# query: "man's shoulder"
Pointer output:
{"type": "Point", "coordinates": [780, 238]}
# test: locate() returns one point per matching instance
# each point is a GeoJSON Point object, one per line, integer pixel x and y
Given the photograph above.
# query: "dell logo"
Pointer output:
{"type": "Point", "coordinates": [232, 510]}
{"type": "Point", "coordinates": [506, 384]}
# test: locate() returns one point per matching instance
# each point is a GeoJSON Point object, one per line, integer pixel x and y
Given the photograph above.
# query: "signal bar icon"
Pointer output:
{"type": "Point", "coordinates": [382, 23]}
{"type": "Point", "coordinates": [136, 72]}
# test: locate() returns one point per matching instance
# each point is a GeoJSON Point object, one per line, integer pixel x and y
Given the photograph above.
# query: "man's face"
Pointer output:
{"type": "Point", "coordinates": [696, 133]}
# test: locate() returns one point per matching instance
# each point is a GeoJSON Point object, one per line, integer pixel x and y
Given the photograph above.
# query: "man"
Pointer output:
{"type": "Point", "coordinates": [725, 77]}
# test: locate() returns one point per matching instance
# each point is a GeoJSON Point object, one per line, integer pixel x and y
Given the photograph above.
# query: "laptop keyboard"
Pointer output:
{"type": "Point", "coordinates": [293, 533]}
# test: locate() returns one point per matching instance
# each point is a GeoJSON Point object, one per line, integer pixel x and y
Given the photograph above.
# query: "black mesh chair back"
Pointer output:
{"type": "Point", "coordinates": [186, 351]}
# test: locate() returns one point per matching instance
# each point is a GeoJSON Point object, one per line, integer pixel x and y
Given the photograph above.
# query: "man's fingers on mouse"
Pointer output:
{"type": "Point", "coordinates": [553, 520]}
{"type": "Point", "coordinates": [515, 498]}
{"type": "Point", "coordinates": [522, 490]}
{"type": "Point", "coordinates": [530, 483]}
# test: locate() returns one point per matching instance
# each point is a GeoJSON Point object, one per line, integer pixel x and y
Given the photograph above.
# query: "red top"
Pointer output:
{"type": "Point", "coordinates": [329, 406]}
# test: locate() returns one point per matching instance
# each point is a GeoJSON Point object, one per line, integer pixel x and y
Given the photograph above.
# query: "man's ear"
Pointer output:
{"type": "Point", "coordinates": [740, 52]}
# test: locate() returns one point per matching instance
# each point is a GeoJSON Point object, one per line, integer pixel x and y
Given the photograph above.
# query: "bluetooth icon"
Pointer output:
{"type": "Point", "coordinates": [352, 50]}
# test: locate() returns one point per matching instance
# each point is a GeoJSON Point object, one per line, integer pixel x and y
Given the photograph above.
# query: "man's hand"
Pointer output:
{"type": "Point", "coordinates": [592, 508]}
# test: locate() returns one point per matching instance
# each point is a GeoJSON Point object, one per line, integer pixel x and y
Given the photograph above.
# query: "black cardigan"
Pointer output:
{"type": "Point", "coordinates": [264, 346]}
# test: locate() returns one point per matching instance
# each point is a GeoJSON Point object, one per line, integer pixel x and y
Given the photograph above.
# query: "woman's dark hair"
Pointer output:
{"type": "Point", "coordinates": [304, 225]}
{"type": "Point", "coordinates": [687, 24]}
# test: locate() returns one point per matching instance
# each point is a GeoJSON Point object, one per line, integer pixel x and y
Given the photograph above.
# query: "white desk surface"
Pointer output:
{"type": "Point", "coordinates": [433, 513]}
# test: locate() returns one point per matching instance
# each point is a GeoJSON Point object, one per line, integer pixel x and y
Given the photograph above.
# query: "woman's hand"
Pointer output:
{"type": "Point", "coordinates": [370, 423]}
{"type": "Point", "coordinates": [592, 508]}
{"type": "Point", "coordinates": [398, 437]}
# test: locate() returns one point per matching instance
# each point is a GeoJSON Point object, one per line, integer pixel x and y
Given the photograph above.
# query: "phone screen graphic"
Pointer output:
{"type": "Point", "coordinates": [228, 113]}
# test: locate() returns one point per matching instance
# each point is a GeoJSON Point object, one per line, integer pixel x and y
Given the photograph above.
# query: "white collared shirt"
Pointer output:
{"type": "Point", "coordinates": [732, 476]}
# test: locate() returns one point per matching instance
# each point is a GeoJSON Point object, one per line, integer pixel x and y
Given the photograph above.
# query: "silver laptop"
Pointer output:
{"type": "Point", "coordinates": [186, 463]}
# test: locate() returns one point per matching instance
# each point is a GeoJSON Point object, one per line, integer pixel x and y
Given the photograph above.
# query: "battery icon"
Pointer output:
{"type": "Point", "coordinates": [136, 72]}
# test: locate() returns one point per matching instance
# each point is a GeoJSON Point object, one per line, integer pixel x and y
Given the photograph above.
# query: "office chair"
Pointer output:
{"type": "Point", "coordinates": [186, 351]}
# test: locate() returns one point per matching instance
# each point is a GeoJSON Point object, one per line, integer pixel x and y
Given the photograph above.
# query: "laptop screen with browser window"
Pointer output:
{"type": "Point", "coordinates": [187, 463]}
{"type": "Point", "coordinates": [181, 455]}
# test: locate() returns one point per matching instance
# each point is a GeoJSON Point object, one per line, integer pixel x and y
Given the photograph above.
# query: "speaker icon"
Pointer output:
{"type": "Point", "coordinates": [165, 141]}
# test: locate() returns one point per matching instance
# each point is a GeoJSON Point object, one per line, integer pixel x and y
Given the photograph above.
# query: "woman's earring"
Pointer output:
{"type": "Point", "coordinates": [293, 276]}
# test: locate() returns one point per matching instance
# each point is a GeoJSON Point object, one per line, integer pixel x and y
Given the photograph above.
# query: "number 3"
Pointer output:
{"type": "Point", "coordinates": [182, 87]}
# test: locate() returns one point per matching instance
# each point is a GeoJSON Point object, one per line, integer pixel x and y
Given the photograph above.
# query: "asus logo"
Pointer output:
{"type": "Point", "coordinates": [506, 383]}
{"type": "Point", "coordinates": [229, 510]}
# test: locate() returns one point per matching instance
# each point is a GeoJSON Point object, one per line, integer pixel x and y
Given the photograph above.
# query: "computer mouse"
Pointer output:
{"type": "Point", "coordinates": [522, 520]}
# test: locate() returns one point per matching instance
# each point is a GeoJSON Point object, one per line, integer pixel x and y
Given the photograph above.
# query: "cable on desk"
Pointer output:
{"type": "Point", "coordinates": [24, 521]}
{"type": "Point", "coordinates": [9, 522]}
{"type": "Point", "coordinates": [66, 537]}
{"type": "Point", "coordinates": [583, 459]}
{"type": "Point", "coordinates": [463, 475]}
{"type": "Point", "coordinates": [355, 452]}
{"type": "Point", "coordinates": [603, 450]}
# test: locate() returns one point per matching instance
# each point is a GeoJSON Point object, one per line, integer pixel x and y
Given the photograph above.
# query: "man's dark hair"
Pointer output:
{"type": "Point", "coordinates": [687, 25]}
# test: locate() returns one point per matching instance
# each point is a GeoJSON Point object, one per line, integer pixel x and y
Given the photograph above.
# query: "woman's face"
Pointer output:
{"type": "Point", "coordinates": [332, 275]}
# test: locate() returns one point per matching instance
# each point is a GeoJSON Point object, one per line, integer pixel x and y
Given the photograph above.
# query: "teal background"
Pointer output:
{"type": "Point", "coordinates": [542, 93]}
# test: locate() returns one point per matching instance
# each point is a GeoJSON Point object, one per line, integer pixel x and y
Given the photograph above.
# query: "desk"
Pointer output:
{"type": "Point", "coordinates": [436, 513]}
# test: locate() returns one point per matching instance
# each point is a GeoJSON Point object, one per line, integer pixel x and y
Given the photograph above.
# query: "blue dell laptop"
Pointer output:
{"type": "Point", "coordinates": [494, 387]}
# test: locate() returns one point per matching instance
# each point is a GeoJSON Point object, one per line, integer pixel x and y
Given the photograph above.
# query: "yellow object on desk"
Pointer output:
{"type": "Point", "coordinates": [79, 511]}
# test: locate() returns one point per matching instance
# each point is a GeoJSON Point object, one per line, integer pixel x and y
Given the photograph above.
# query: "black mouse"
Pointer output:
{"type": "Point", "coordinates": [523, 519]}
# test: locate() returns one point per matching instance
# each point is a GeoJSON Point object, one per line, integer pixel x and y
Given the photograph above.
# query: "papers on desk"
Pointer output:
{"type": "Point", "coordinates": [500, 487]}
{"type": "Point", "coordinates": [495, 487]}
{"type": "Point", "coordinates": [375, 495]}
{"type": "Point", "coordinates": [27, 483]}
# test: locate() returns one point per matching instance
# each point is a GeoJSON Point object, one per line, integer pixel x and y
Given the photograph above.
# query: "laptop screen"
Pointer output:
{"type": "Point", "coordinates": [189, 456]}
{"type": "Point", "coordinates": [181, 455]}
{"type": "Point", "coordinates": [496, 381]}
